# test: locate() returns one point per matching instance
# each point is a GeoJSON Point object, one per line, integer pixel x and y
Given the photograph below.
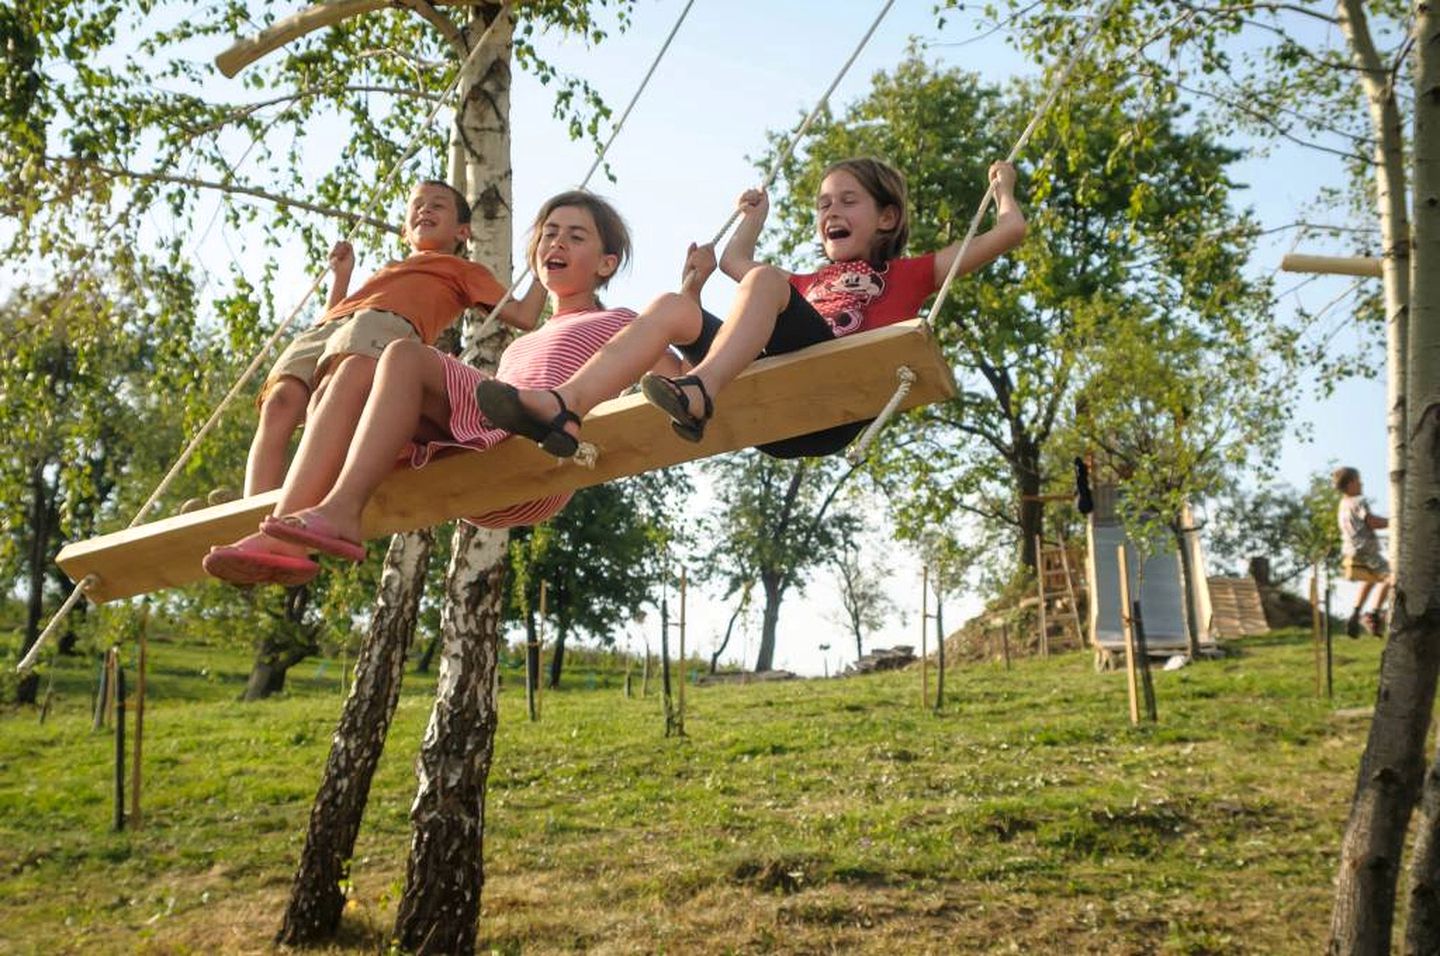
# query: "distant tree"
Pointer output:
{"type": "Point", "coordinates": [865, 606]}
{"type": "Point", "coordinates": [774, 525]}
{"type": "Point", "coordinates": [600, 559]}
{"type": "Point", "coordinates": [1293, 529]}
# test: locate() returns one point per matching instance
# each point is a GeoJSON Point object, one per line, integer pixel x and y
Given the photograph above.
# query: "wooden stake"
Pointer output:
{"type": "Point", "coordinates": [1040, 581]}
{"type": "Point", "coordinates": [1332, 265]}
{"type": "Point", "coordinates": [680, 694]}
{"type": "Point", "coordinates": [1317, 639]}
{"type": "Point", "coordinates": [1147, 686]}
{"type": "Point", "coordinates": [1329, 642]}
{"type": "Point", "coordinates": [924, 634]}
{"type": "Point", "coordinates": [1132, 675]}
{"type": "Point", "coordinates": [1005, 642]}
{"type": "Point", "coordinates": [119, 741]}
{"type": "Point", "coordinates": [142, 645]}
{"type": "Point", "coordinates": [540, 645]}
{"type": "Point", "coordinates": [102, 695]}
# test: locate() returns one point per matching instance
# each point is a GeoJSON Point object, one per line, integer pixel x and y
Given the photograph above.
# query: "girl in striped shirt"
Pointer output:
{"type": "Point", "coordinates": [424, 400]}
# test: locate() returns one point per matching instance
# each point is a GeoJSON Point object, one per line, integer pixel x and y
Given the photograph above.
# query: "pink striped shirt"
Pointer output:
{"type": "Point", "coordinates": [544, 358]}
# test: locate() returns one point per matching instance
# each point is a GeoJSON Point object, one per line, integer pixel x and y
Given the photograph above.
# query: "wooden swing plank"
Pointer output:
{"type": "Point", "coordinates": [847, 380]}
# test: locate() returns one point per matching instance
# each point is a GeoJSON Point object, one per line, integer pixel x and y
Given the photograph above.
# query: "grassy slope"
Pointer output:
{"type": "Point", "coordinates": [805, 817]}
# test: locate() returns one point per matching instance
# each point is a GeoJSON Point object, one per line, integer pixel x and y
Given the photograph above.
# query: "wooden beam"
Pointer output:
{"type": "Point", "coordinates": [326, 14]}
{"type": "Point", "coordinates": [842, 381]}
{"type": "Point", "coordinates": [1332, 265]}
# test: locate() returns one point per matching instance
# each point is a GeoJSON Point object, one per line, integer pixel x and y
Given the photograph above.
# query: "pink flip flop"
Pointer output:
{"type": "Point", "coordinates": [240, 565]}
{"type": "Point", "coordinates": [312, 531]}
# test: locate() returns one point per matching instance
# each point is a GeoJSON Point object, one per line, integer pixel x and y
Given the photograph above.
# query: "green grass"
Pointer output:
{"type": "Point", "coordinates": [811, 816]}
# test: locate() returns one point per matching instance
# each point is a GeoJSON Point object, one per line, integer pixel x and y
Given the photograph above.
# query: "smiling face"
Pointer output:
{"type": "Point", "coordinates": [849, 218]}
{"type": "Point", "coordinates": [432, 220]}
{"type": "Point", "coordinates": [569, 254]}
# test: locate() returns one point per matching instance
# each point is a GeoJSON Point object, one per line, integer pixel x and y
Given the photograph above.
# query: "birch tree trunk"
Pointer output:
{"type": "Point", "coordinates": [1389, 132]}
{"type": "Point", "coordinates": [1417, 604]}
{"type": "Point", "coordinates": [1391, 767]}
{"type": "Point", "coordinates": [444, 876]}
{"type": "Point", "coordinates": [316, 899]}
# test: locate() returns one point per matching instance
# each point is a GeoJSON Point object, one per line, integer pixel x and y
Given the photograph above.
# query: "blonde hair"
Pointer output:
{"type": "Point", "coordinates": [886, 185]}
{"type": "Point", "coordinates": [614, 234]}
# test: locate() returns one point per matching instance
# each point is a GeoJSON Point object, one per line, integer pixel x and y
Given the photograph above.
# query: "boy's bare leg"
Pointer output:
{"type": "Point", "coordinates": [282, 411]}
{"type": "Point", "coordinates": [409, 390]}
{"type": "Point", "coordinates": [327, 438]}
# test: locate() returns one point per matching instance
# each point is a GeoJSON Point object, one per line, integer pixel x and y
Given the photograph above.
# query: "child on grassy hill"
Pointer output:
{"type": "Point", "coordinates": [331, 365]}
{"type": "Point", "coordinates": [1361, 559]}
{"type": "Point", "coordinates": [424, 399]}
{"type": "Point", "coordinates": [863, 226]}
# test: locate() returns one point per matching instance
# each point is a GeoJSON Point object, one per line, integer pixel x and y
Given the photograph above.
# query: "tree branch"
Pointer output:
{"type": "Point", "coordinates": [227, 188]}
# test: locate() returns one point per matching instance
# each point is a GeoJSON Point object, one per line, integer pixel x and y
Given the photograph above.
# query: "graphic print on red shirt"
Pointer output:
{"type": "Point", "coordinates": [854, 295]}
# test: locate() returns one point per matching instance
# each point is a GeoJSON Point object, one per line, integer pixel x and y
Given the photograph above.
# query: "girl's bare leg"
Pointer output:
{"type": "Point", "coordinates": [409, 391]}
{"type": "Point", "coordinates": [671, 319]}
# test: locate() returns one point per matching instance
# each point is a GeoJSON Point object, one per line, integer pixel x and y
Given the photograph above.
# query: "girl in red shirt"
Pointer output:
{"type": "Point", "coordinates": [863, 225]}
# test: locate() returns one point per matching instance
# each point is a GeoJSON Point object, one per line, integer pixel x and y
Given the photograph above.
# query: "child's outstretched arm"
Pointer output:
{"type": "Point", "coordinates": [739, 255]}
{"type": "Point", "coordinates": [342, 264]}
{"type": "Point", "coordinates": [1006, 234]}
{"type": "Point", "coordinates": [523, 313]}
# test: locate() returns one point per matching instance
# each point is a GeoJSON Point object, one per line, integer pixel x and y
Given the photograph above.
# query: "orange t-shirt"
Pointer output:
{"type": "Point", "coordinates": [428, 289]}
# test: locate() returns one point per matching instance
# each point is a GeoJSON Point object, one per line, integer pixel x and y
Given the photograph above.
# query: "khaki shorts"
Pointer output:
{"type": "Point", "coordinates": [1371, 569]}
{"type": "Point", "coordinates": [310, 353]}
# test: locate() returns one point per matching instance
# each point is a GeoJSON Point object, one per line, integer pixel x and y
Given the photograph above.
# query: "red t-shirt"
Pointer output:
{"type": "Point", "coordinates": [854, 296]}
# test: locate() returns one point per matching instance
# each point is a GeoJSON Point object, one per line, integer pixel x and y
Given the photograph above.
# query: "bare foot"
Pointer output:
{"type": "Point", "coordinates": [263, 542]}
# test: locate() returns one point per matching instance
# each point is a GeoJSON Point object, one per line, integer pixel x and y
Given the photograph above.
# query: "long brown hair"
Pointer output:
{"type": "Point", "coordinates": [614, 234]}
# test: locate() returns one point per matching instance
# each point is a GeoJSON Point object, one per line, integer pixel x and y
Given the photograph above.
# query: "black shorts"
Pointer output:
{"type": "Point", "coordinates": [797, 327]}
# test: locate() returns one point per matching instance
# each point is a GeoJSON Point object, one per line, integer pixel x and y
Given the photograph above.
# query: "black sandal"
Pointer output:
{"type": "Point", "coordinates": [668, 395]}
{"type": "Point", "coordinates": [500, 403]}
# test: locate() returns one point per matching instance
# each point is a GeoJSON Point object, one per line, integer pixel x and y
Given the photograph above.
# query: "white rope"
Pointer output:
{"type": "Point", "coordinates": [856, 453]}
{"type": "Point", "coordinates": [491, 319]}
{"type": "Point", "coordinates": [1020, 144]}
{"type": "Point", "coordinates": [34, 653]}
{"type": "Point", "coordinates": [805, 126]}
{"type": "Point", "coordinates": [189, 451]}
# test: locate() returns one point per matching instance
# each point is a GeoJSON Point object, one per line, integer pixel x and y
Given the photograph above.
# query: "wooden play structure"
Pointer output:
{"type": "Point", "coordinates": [1155, 582]}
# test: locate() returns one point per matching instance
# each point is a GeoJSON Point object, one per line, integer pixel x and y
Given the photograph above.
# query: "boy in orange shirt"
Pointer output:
{"type": "Point", "coordinates": [418, 297]}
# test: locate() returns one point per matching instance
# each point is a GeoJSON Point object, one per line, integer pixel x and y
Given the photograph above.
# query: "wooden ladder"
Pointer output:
{"type": "Point", "coordinates": [1059, 608]}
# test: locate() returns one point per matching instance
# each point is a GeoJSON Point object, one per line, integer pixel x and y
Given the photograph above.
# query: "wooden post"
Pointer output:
{"type": "Point", "coordinates": [142, 644]}
{"type": "Point", "coordinates": [680, 693]}
{"type": "Point", "coordinates": [645, 673]}
{"type": "Point", "coordinates": [119, 740]}
{"type": "Point", "coordinates": [1147, 686]}
{"type": "Point", "coordinates": [1005, 642]}
{"type": "Point", "coordinates": [1040, 581]}
{"type": "Point", "coordinates": [924, 633]}
{"type": "Point", "coordinates": [939, 643]}
{"type": "Point", "coordinates": [1132, 676]}
{"type": "Point", "coordinates": [1316, 638]}
{"type": "Point", "coordinates": [102, 694]}
{"type": "Point", "coordinates": [540, 645]}
{"type": "Point", "coordinates": [1329, 642]}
